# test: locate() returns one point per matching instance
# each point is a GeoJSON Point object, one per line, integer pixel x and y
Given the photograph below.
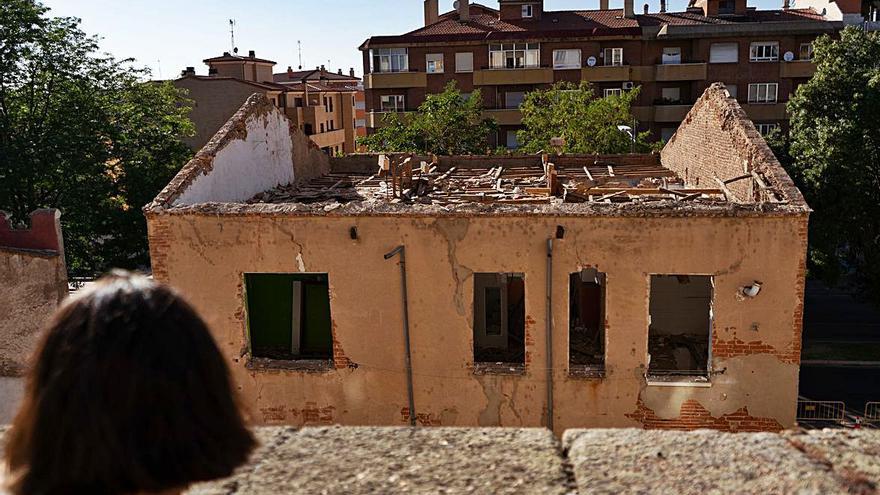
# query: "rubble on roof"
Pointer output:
{"type": "Point", "coordinates": [581, 181]}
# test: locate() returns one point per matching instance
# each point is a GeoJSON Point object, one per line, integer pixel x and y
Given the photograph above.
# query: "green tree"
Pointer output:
{"type": "Point", "coordinates": [586, 123]}
{"type": "Point", "coordinates": [835, 157]}
{"type": "Point", "coordinates": [446, 123]}
{"type": "Point", "coordinates": [83, 132]}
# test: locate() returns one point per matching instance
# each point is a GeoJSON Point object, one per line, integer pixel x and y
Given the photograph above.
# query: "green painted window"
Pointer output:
{"type": "Point", "coordinates": [289, 315]}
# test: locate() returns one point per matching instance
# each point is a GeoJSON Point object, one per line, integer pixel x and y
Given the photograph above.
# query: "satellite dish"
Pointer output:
{"type": "Point", "coordinates": [788, 57]}
{"type": "Point", "coordinates": [455, 5]}
{"type": "Point", "coordinates": [591, 61]}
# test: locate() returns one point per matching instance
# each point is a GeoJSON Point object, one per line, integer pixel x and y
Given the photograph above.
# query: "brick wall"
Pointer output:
{"type": "Point", "coordinates": [717, 140]}
{"type": "Point", "coordinates": [33, 281]}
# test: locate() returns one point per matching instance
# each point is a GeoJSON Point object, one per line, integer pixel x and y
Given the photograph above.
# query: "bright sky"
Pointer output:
{"type": "Point", "coordinates": [168, 35]}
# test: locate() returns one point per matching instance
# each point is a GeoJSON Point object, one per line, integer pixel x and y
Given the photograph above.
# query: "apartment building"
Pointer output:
{"type": "Point", "coordinates": [760, 55]}
{"type": "Point", "coordinates": [336, 80]}
{"type": "Point", "coordinates": [324, 110]}
{"type": "Point", "coordinates": [656, 291]}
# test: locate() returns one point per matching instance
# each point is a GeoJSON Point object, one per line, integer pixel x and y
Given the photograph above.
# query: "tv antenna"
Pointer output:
{"type": "Point", "coordinates": [232, 34]}
{"type": "Point", "coordinates": [299, 47]}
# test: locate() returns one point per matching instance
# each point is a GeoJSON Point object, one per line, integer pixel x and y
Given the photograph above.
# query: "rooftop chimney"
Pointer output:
{"type": "Point", "coordinates": [289, 70]}
{"type": "Point", "coordinates": [786, 4]}
{"type": "Point", "coordinates": [646, 9]}
{"type": "Point", "coordinates": [662, 6]}
{"type": "Point", "coordinates": [252, 54]}
{"type": "Point", "coordinates": [226, 54]}
{"type": "Point", "coordinates": [603, 4]}
{"type": "Point", "coordinates": [464, 10]}
{"type": "Point", "coordinates": [629, 9]}
{"type": "Point", "coordinates": [189, 71]}
{"type": "Point", "coordinates": [351, 72]}
{"type": "Point", "coordinates": [432, 12]}
{"type": "Point", "coordinates": [323, 69]}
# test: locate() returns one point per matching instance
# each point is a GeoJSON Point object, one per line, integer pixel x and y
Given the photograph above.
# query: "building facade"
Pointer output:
{"type": "Point", "coordinates": [324, 108]}
{"type": "Point", "coordinates": [33, 282]}
{"type": "Point", "coordinates": [761, 56]}
{"type": "Point", "coordinates": [655, 291]}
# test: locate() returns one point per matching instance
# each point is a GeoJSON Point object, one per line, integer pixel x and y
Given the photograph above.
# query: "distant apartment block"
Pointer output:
{"type": "Point", "coordinates": [760, 55]}
{"type": "Point", "coordinates": [323, 104]}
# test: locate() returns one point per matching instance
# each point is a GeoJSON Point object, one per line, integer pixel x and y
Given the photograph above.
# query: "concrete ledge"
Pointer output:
{"type": "Point", "coordinates": [361, 460]}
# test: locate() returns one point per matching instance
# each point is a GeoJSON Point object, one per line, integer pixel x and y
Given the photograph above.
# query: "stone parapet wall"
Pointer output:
{"type": "Point", "coordinates": [362, 460]}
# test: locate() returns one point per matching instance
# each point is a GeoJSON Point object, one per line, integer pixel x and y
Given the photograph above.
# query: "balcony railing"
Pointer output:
{"type": "Point", "coordinates": [601, 73]}
{"type": "Point", "coordinates": [504, 116]}
{"type": "Point", "coordinates": [525, 75]}
{"type": "Point", "coordinates": [394, 80]}
{"type": "Point", "coordinates": [797, 68]}
{"type": "Point", "coordinates": [681, 72]}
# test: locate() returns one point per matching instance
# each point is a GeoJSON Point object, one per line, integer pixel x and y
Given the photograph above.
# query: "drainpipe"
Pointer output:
{"type": "Point", "coordinates": [401, 250]}
{"type": "Point", "coordinates": [550, 334]}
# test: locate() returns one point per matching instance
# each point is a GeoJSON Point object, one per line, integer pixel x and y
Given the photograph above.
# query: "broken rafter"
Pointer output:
{"type": "Point", "coordinates": [727, 192]}
{"type": "Point", "coordinates": [737, 179]}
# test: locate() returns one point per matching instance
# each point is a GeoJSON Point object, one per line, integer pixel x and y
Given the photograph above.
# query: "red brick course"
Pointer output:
{"type": "Point", "coordinates": [694, 416]}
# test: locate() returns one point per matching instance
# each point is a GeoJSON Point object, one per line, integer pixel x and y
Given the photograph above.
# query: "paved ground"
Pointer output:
{"type": "Point", "coordinates": [341, 460]}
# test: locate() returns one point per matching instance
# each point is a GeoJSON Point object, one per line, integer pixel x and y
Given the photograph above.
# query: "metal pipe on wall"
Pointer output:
{"type": "Point", "coordinates": [401, 250]}
{"type": "Point", "coordinates": [550, 334]}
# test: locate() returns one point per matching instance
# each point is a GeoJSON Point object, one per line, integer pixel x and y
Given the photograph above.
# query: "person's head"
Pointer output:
{"type": "Point", "coordinates": [128, 393]}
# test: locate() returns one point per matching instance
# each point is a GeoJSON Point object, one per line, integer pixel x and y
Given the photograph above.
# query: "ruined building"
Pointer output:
{"type": "Point", "coordinates": [659, 290]}
{"type": "Point", "coordinates": [33, 281]}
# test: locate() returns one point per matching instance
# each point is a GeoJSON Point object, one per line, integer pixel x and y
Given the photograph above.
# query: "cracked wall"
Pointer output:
{"type": "Point", "coordinates": [205, 255]}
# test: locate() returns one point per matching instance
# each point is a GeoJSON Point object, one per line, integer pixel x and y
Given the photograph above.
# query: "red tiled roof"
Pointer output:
{"type": "Point", "coordinates": [237, 58]}
{"type": "Point", "coordinates": [312, 75]}
{"type": "Point", "coordinates": [485, 25]}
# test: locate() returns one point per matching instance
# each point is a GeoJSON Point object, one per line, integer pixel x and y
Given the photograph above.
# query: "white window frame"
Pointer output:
{"type": "Point", "coordinates": [615, 55]}
{"type": "Point", "coordinates": [677, 95]}
{"type": "Point", "coordinates": [719, 46]}
{"type": "Point", "coordinates": [766, 128]}
{"type": "Point", "coordinates": [571, 58]}
{"type": "Point", "coordinates": [764, 51]}
{"type": "Point", "coordinates": [392, 103]}
{"type": "Point", "coordinates": [514, 55]}
{"type": "Point", "coordinates": [671, 58]}
{"type": "Point", "coordinates": [527, 11]}
{"type": "Point", "coordinates": [763, 93]}
{"type": "Point", "coordinates": [464, 62]}
{"type": "Point", "coordinates": [808, 47]}
{"type": "Point", "coordinates": [612, 92]}
{"type": "Point", "coordinates": [437, 60]}
{"type": "Point", "coordinates": [389, 60]}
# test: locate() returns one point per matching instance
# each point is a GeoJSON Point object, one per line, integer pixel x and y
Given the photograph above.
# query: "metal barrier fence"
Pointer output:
{"type": "Point", "coordinates": [872, 412]}
{"type": "Point", "coordinates": [814, 410]}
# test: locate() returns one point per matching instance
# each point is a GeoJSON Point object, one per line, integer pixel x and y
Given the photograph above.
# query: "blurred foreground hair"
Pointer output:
{"type": "Point", "coordinates": [128, 394]}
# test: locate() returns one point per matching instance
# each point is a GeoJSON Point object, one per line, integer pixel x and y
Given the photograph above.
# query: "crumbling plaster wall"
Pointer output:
{"type": "Point", "coordinates": [758, 339]}
{"type": "Point", "coordinates": [256, 150]}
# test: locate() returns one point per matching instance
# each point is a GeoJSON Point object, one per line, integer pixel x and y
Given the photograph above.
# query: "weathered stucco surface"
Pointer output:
{"type": "Point", "coordinates": [205, 256]}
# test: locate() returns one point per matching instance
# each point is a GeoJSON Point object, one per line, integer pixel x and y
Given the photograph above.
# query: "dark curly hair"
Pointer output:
{"type": "Point", "coordinates": [128, 393]}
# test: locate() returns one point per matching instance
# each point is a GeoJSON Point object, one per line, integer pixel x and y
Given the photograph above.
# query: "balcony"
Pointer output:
{"type": "Point", "coordinates": [671, 113]}
{"type": "Point", "coordinates": [374, 119]}
{"type": "Point", "coordinates": [506, 116]}
{"type": "Point", "coordinates": [681, 72]}
{"type": "Point", "coordinates": [394, 80]}
{"type": "Point", "coordinates": [499, 77]}
{"type": "Point", "coordinates": [797, 68]}
{"type": "Point", "coordinates": [606, 73]}
{"type": "Point", "coordinates": [765, 111]}
{"type": "Point", "coordinates": [332, 138]}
